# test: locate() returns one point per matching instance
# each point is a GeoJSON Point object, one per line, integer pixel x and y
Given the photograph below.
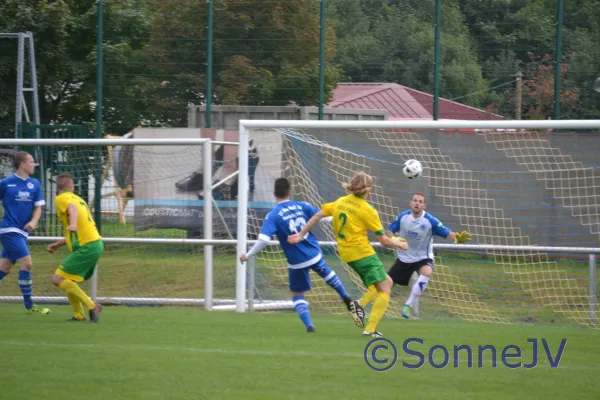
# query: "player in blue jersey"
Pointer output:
{"type": "Point", "coordinates": [22, 200]}
{"type": "Point", "coordinates": [288, 218]}
{"type": "Point", "coordinates": [417, 227]}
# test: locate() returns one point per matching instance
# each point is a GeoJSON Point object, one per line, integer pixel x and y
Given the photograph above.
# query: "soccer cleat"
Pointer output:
{"type": "Point", "coordinates": [358, 314]}
{"type": "Point", "coordinates": [311, 329]}
{"type": "Point", "coordinates": [95, 313]}
{"type": "Point", "coordinates": [73, 319]}
{"type": "Point", "coordinates": [406, 311]}
{"type": "Point", "coordinates": [373, 334]}
{"type": "Point", "coordinates": [36, 309]}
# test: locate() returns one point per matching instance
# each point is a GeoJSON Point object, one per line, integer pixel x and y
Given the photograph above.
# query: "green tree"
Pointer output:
{"type": "Point", "coordinates": [394, 42]}
{"type": "Point", "coordinates": [65, 48]}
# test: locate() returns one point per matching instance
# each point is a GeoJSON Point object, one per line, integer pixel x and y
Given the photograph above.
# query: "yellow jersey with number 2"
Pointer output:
{"type": "Point", "coordinates": [86, 227]}
{"type": "Point", "coordinates": [352, 217]}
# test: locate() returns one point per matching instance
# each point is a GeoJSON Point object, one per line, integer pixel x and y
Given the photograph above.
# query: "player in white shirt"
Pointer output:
{"type": "Point", "coordinates": [417, 227]}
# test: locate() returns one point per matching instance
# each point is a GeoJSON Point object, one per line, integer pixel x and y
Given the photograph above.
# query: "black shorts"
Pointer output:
{"type": "Point", "coordinates": [401, 271]}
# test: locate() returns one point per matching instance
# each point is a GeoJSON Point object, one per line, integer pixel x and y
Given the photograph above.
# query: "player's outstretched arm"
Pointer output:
{"type": "Point", "coordinates": [258, 246]}
{"type": "Point", "coordinates": [293, 239]}
{"type": "Point", "coordinates": [396, 243]}
{"type": "Point", "coordinates": [461, 237]}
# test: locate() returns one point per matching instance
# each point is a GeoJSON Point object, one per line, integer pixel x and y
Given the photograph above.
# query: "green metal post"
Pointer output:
{"type": "Point", "coordinates": [436, 59]}
{"type": "Point", "coordinates": [558, 57]}
{"type": "Point", "coordinates": [322, 59]}
{"type": "Point", "coordinates": [99, 95]}
{"type": "Point", "coordinates": [209, 63]}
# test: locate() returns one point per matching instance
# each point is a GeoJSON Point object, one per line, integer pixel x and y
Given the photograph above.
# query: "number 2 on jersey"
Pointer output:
{"type": "Point", "coordinates": [342, 216]}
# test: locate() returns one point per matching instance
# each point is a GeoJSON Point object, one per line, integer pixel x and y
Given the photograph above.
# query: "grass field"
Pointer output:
{"type": "Point", "coordinates": [185, 353]}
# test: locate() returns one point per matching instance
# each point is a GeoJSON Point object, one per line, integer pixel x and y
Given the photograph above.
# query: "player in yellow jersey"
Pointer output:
{"type": "Point", "coordinates": [84, 242]}
{"type": "Point", "coordinates": [352, 216]}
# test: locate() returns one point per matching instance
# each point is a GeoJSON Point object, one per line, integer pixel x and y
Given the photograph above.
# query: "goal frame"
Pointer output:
{"type": "Point", "coordinates": [245, 125]}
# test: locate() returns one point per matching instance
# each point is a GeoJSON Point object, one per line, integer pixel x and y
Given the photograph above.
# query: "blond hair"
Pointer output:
{"type": "Point", "coordinates": [360, 184]}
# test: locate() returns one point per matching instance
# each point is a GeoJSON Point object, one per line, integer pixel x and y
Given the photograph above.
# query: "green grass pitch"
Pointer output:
{"type": "Point", "coordinates": [187, 353]}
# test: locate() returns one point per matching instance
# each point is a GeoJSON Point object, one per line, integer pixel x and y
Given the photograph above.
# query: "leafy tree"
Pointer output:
{"type": "Point", "coordinates": [537, 91]}
{"type": "Point", "coordinates": [387, 41]}
{"type": "Point", "coordinates": [65, 49]}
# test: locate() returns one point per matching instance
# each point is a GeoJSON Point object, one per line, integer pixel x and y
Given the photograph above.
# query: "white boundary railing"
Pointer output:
{"type": "Point", "coordinates": [207, 189]}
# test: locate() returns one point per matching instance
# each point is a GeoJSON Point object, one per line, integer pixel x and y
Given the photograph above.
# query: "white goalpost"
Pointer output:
{"type": "Point", "coordinates": [534, 263]}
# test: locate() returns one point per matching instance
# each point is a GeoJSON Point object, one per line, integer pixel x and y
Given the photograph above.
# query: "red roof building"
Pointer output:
{"type": "Point", "coordinates": [402, 102]}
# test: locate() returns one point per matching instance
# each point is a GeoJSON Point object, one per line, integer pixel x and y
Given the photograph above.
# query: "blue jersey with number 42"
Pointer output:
{"type": "Point", "coordinates": [286, 219]}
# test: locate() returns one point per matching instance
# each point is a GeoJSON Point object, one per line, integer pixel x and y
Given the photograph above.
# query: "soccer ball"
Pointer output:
{"type": "Point", "coordinates": [412, 169]}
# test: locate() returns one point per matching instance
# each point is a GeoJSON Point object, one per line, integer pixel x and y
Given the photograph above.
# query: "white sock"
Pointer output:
{"type": "Point", "coordinates": [417, 289]}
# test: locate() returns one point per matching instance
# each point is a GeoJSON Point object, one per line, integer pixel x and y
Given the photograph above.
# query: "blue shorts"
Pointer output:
{"type": "Point", "coordinates": [14, 246]}
{"type": "Point", "coordinates": [300, 279]}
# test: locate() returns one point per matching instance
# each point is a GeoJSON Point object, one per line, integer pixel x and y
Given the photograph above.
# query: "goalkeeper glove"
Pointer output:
{"type": "Point", "coordinates": [398, 239]}
{"type": "Point", "coordinates": [462, 237]}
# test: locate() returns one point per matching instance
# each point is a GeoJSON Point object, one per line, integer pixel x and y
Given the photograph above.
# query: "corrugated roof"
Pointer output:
{"type": "Point", "coordinates": [402, 102]}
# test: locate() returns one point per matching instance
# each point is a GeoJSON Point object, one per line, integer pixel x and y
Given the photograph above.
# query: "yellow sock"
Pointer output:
{"type": "Point", "coordinates": [368, 297]}
{"type": "Point", "coordinates": [72, 288]}
{"type": "Point", "coordinates": [379, 308]}
{"type": "Point", "coordinates": [76, 306]}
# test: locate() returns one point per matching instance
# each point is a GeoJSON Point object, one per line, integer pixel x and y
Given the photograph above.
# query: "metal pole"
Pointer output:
{"type": "Point", "coordinates": [208, 221]}
{"type": "Point", "coordinates": [251, 272]}
{"type": "Point", "coordinates": [98, 135]}
{"type": "Point", "coordinates": [322, 59]}
{"type": "Point", "coordinates": [519, 95]}
{"type": "Point", "coordinates": [34, 83]}
{"type": "Point", "coordinates": [99, 106]}
{"type": "Point", "coordinates": [209, 64]}
{"type": "Point", "coordinates": [242, 220]}
{"type": "Point", "coordinates": [558, 57]}
{"type": "Point", "coordinates": [20, 77]}
{"type": "Point", "coordinates": [592, 265]}
{"type": "Point", "coordinates": [436, 59]}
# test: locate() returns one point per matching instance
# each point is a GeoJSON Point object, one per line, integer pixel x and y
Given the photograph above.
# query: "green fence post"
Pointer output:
{"type": "Point", "coordinates": [558, 57]}
{"type": "Point", "coordinates": [209, 64]}
{"type": "Point", "coordinates": [322, 59]}
{"type": "Point", "coordinates": [99, 95]}
{"type": "Point", "coordinates": [436, 59]}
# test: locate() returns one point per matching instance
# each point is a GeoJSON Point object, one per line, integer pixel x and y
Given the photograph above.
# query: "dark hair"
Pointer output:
{"type": "Point", "coordinates": [282, 188]}
{"type": "Point", "coordinates": [20, 158]}
{"type": "Point", "coordinates": [63, 180]}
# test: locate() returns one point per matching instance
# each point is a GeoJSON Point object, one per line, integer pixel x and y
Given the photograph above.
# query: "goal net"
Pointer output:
{"type": "Point", "coordinates": [506, 187]}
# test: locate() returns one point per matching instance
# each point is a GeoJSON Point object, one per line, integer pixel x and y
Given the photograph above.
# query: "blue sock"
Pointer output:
{"type": "Point", "coordinates": [26, 290]}
{"type": "Point", "coordinates": [332, 280]}
{"type": "Point", "coordinates": [301, 307]}
{"type": "Point", "coordinates": [2, 275]}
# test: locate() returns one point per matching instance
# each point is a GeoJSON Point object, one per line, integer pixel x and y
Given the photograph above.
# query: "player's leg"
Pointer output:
{"type": "Point", "coordinates": [425, 269]}
{"type": "Point", "coordinates": [400, 273]}
{"type": "Point", "coordinates": [372, 272]}
{"type": "Point", "coordinates": [331, 278]}
{"type": "Point", "coordinates": [17, 251]}
{"type": "Point", "coordinates": [77, 267]}
{"type": "Point", "coordinates": [380, 306]}
{"type": "Point", "coordinates": [5, 264]}
{"type": "Point", "coordinates": [299, 281]}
